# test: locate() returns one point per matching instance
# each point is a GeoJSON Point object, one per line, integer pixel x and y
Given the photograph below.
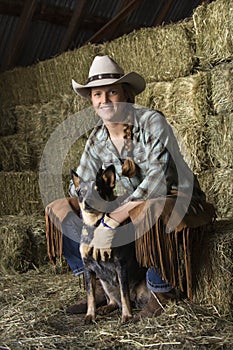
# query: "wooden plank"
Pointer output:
{"type": "Point", "coordinates": [44, 12]}
{"type": "Point", "coordinates": [163, 13]}
{"type": "Point", "coordinates": [109, 28]}
{"type": "Point", "coordinates": [74, 25]}
{"type": "Point", "coordinates": [22, 29]}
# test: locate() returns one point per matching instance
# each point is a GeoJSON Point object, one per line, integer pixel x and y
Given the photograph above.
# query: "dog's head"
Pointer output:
{"type": "Point", "coordinates": [95, 197]}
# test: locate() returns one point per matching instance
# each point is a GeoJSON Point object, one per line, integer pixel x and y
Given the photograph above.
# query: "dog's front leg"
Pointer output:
{"type": "Point", "coordinates": [124, 291]}
{"type": "Point", "coordinates": [90, 278]}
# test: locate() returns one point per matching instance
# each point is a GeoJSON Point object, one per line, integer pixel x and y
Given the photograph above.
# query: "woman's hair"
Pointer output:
{"type": "Point", "coordinates": [130, 94]}
{"type": "Point", "coordinates": [129, 168]}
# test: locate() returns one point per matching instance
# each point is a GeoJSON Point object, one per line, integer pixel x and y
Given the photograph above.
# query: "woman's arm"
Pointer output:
{"type": "Point", "coordinates": [122, 213]}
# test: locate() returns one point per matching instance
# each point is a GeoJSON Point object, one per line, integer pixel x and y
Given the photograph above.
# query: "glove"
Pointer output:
{"type": "Point", "coordinates": [100, 246]}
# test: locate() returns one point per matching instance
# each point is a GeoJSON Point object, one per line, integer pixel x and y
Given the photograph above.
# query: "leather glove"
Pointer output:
{"type": "Point", "coordinates": [100, 246]}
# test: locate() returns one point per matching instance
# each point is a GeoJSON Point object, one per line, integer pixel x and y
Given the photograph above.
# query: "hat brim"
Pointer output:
{"type": "Point", "coordinates": [136, 81]}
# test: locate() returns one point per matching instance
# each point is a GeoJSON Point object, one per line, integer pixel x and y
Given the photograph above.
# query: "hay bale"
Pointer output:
{"type": "Point", "coordinates": [62, 153]}
{"type": "Point", "coordinates": [43, 118]}
{"type": "Point", "coordinates": [218, 186]}
{"type": "Point", "coordinates": [220, 145]}
{"type": "Point", "coordinates": [222, 88]}
{"type": "Point", "coordinates": [7, 121]}
{"type": "Point", "coordinates": [53, 80]}
{"type": "Point", "coordinates": [46, 80]}
{"type": "Point", "coordinates": [73, 157]}
{"type": "Point", "coordinates": [168, 51]}
{"type": "Point", "coordinates": [18, 87]}
{"type": "Point", "coordinates": [215, 282]}
{"type": "Point", "coordinates": [185, 103]}
{"type": "Point", "coordinates": [213, 25]}
{"type": "Point", "coordinates": [15, 153]}
{"type": "Point", "coordinates": [19, 192]}
{"type": "Point", "coordinates": [22, 243]}
{"type": "Point", "coordinates": [64, 122]}
{"type": "Point", "coordinates": [22, 192]}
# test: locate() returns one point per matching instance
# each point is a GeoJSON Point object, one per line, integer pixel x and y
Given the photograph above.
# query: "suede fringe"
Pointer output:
{"type": "Point", "coordinates": [53, 236]}
{"type": "Point", "coordinates": [55, 212]}
{"type": "Point", "coordinates": [172, 253]}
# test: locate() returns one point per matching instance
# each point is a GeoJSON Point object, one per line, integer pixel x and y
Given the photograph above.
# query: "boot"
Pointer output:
{"type": "Point", "coordinates": [155, 305]}
{"type": "Point", "coordinates": [81, 306]}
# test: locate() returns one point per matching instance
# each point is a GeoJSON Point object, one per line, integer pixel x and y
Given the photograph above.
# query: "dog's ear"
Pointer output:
{"type": "Point", "coordinates": [109, 176]}
{"type": "Point", "coordinates": [75, 178]}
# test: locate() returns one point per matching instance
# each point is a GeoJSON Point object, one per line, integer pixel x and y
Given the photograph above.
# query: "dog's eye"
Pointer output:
{"type": "Point", "coordinates": [80, 192]}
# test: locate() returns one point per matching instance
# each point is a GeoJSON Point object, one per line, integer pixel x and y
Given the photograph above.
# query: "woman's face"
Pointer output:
{"type": "Point", "coordinates": [109, 102]}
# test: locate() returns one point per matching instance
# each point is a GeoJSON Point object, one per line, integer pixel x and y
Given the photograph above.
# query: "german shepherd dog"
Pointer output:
{"type": "Point", "coordinates": [123, 280]}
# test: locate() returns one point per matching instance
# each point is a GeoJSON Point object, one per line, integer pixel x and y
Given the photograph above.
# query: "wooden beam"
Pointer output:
{"type": "Point", "coordinates": [21, 32]}
{"type": "Point", "coordinates": [48, 13]}
{"type": "Point", "coordinates": [163, 13]}
{"type": "Point", "coordinates": [109, 27]}
{"type": "Point", "coordinates": [11, 8]}
{"type": "Point", "coordinates": [74, 24]}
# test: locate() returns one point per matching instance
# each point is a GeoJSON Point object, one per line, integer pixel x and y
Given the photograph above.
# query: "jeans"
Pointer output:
{"type": "Point", "coordinates": [72, 228]}
{"type": "Point", "coordinates": [71, 235]}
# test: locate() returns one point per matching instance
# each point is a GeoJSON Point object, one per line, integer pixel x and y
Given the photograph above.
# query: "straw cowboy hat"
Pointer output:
{"type": "Point", "coordinates": [105, 71]}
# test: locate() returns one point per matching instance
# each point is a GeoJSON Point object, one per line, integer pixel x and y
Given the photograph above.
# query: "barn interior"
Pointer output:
{"type": "Point", "coordinates": [184, 50]}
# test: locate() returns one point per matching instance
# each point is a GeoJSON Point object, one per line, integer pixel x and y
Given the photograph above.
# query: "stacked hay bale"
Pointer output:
{"type": "Point", "coordinates": [37, 101]}
{"type": "Point", "coordinates": [188, 68]}
{"type": "Point", "coordinates": [213, 33]}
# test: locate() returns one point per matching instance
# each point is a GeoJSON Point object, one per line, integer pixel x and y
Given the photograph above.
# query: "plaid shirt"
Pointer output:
{"type": "Point", "coordinates": [160, 165]}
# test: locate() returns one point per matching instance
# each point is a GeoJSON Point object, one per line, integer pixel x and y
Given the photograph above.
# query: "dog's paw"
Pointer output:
{"type": "Point", "coordinates": [89, 319]}
{"type": "Point", "coordinates": [126, 318]}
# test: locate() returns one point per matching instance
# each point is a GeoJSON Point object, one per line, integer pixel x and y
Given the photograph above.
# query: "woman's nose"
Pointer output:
{"type": "Point", "coordinates": [104, 98]}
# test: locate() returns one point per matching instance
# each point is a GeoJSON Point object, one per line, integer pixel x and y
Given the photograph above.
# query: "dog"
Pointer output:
{"type": "Point", "coordinates": [123, 280]}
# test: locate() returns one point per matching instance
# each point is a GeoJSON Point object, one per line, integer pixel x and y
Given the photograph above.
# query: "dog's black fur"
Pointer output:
{"type": "Point", "coordinates": [123, 280]}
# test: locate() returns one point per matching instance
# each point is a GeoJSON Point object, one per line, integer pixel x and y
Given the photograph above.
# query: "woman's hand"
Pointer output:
{"type": "Point", "coordinates": [100, 247]}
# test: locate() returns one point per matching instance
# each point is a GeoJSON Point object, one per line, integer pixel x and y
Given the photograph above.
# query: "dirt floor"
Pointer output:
{"type": "Point", "coordinates": [32, 309]}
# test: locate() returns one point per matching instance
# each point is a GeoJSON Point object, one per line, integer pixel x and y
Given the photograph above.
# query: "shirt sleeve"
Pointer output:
{"type": "Point", "coordinates": [158, 136]}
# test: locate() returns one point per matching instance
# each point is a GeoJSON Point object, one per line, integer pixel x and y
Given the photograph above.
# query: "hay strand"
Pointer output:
{"type": "Point", "coordinates": [32, 316]}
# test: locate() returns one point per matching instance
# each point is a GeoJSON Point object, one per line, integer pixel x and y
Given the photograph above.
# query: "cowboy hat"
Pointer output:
{"type": "Point", "coordinates": [105, 71]}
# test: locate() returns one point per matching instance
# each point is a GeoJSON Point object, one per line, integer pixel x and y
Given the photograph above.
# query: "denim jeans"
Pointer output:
{"type": "Point", "coordinates": [72, 228]}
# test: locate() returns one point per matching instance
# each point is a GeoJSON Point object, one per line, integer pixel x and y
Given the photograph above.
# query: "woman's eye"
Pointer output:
{"type": "Point", "coordinates": [113, 92]}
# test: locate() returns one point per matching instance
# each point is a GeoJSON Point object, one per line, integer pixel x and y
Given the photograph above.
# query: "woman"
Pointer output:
{"type": "Point", "coordinates": [149, 166]}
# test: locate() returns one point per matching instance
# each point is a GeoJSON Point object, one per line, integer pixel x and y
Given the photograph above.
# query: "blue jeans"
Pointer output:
{"type": "Point", "coordinates": [72, 228]}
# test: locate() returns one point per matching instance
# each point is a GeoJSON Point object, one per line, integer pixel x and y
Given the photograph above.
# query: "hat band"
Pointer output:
{"type": "Point", "coordinates": [105, 76]}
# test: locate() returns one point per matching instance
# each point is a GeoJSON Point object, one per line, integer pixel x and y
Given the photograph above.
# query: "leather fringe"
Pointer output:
{"type": "Point", "coordinates": [53, 235]}
{"type": "Point", "coordinates": [172, 253]}
{"type": "Point", "coordinates": [176, 253]}
{"type": "Point", "coordinates": [55, 213]}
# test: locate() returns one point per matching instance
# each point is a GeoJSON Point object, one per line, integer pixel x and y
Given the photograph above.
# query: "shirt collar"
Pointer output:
{"type": "Point", "coordinates": [103, 132]}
